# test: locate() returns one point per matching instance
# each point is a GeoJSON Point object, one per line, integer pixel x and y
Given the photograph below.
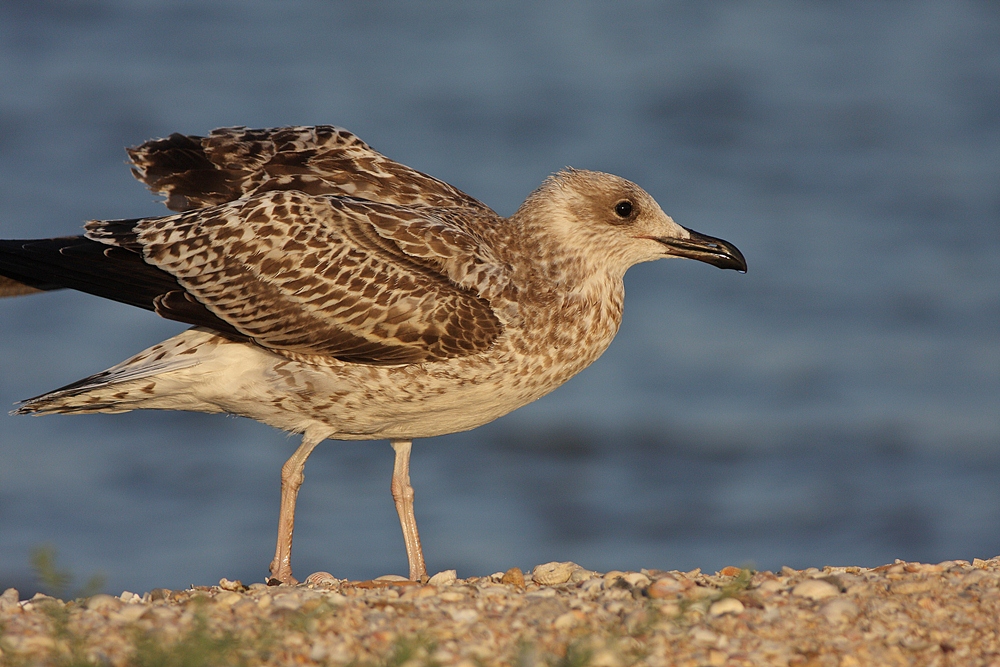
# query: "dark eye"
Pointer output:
{"type": "Point", "coordinates": [623, 209]}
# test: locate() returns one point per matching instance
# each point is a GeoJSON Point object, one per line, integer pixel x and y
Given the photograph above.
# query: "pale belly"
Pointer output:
{"type": "Point", "coordinates": [359, 402]}
{"type": "Point", "coordinates": [200, 371]}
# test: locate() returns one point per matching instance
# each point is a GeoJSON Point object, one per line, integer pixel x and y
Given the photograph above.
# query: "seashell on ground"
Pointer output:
{"type": "Point", "coordinates": [322, 579]}
{"type": "Point", "coordinates": [815, 589]}
{"type": "Point", "coordinates": [549, 574]}
{"type": "Point", "coordinates": [840, 611]}
{"type": "Point", "coordinates": [227, 585]}
{"type": "Point", "coordinates": [443, 578]}
{"type": "Point", "coordinates": [513, 577]}
{"type": "Point", "coordinates": [725, 606]}
{"type": "Point", "coordinates": [665, 587]}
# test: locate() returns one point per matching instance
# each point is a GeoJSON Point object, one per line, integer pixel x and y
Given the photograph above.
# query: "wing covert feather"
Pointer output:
{"type": "Point", "coordinates": [328, 277]}
{"type": "Point", "coordinates": [233, 162]}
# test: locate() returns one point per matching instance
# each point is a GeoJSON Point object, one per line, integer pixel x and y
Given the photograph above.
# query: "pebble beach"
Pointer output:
{"type": "Point", "coordinates": [555, 614]}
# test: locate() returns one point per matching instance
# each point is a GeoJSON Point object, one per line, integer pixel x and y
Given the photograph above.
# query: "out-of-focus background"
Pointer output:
{"type": "Point", "coordinates": [839, 404]}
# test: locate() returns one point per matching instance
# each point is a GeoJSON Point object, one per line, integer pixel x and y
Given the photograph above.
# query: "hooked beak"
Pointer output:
{"type": "Point", "coordinates": [706, 249]}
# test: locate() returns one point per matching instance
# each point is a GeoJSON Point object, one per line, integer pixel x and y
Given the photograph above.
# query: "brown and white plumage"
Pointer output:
{"type": "Point", "coordinates": [339, 294]}
{"type": "Point", "coordinates": [234, 162]}
{"type": "Point", "coordinates": [342, 278]}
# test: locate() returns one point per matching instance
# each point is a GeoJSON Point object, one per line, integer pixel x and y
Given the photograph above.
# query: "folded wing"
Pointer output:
{"type": "Point", "coordinates": [319, 277]}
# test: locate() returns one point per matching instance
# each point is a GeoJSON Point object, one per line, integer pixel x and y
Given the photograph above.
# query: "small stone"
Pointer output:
{"type": "Point", "coordinates": [264, 601]}
{"type": "Point", "coordinates": [103, 602]}
{"type": "Point", "coordinates": [565, 621]}
{"type": "Point", "coordinates": [581, 574]}
{"type": "Point", "coordinates": [319, 651]}
{"type": "Point", "coordinates": [911, 587]}
{"type": "Point", "coordinates": [287, 601]}
{"type": "Point", "coordinates": [604, 658]}
{"type": "Point", "coordinates": [159, 594]}
{"type": "Point", "coordinates": [699, 592]}
{"type": "Point", "coordinates": [130, 597]}
{"type": "Point", "coordinates": [669, 609]}
{"type": "Point", "coordinates": [464, 615]}
{"type": "Point", "coordinates": [28, 643]}
{"type": "Point", "coordinates": [424, 592]}
{"type": "Point", "coordinates": [227, 585]}
{"type": "Point", "coordinates": [335, 599]}
{"type": "Point", "coordinates": [391, 577]}
{"type": "Point", "coordinates": [725, 606]}
{"type": "Point", "coordinates": [9, 599]}
{"type": "Point", "coordinates": [130, 613]}
{"type": "Point", "coordinates": [771, 586]}
{"type": "Point", "coordinates": [842, 581]}
{"type": "Point", "coordinates": [228, 598]}
{"type": "Point", "coordinates": [635, 621]}
{"type": "Point", "coordinates": [839, 611]}
{"type": "Point", "coordinates": [717, 658]}
{"type": "Point", "coordinates": [610, 577]}
{"type": "Point", "coordinates": [443, 578]}
{"type": "Point", "coordinates": [550, 574]}
{"type": "Point", "coordinates": [541, 593]}
{"type": "Point", "coordinates": [815, 589]}
{"type": "Point", "coordinates": [972, 578]}
{"type": "Point", "coordinates": [664, 587]}
{"type": "Point", "coordinates": [513, 577]}
{"type": "Point", "coordinates": [636, 579]}
{"type": "Point", "coordinates": [704, 637]}
{"type": "Point", "coordinates": [729, 571]}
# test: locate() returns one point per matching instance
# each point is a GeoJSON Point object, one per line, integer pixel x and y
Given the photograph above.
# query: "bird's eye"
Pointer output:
{"type": "Point", "coordinates": [623, 209]}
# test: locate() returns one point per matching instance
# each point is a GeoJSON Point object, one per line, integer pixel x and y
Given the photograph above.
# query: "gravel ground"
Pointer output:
{"type": "Point", "coordinates": [559, 614]}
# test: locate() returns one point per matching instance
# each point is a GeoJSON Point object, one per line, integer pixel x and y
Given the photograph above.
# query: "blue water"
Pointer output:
{"type": "Point", "coordinates": [839, 404]}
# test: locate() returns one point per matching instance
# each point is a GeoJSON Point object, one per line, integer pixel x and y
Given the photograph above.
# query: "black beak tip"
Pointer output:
{"type": "Point", "coordinates": [708, 249]}
{"type": "Point", "coordinates": [739, 263]}
{"type": "Point", "coordinates": [717, 252]}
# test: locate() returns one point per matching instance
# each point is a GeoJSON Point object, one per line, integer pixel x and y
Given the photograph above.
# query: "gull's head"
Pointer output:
{"type": "Point", "coordinates": [617, 223]}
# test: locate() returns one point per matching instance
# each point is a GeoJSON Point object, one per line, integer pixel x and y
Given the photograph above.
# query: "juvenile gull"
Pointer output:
{"type": "Point", "coordinates": [339, 294]}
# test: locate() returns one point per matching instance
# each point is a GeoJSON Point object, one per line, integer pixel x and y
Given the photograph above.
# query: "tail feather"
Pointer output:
{"type": "Point", "coordinates": [113, 272]}
{"type": "Point", "coordinates": [79, 263]}
{"type": "Point", "coordinates": [122, 387]}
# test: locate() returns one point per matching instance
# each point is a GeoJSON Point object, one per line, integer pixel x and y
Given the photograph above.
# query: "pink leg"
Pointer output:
{"type": "Point", "coordinates": [291, 480]}
{"type": "Point", "coordinates": [402, 493]}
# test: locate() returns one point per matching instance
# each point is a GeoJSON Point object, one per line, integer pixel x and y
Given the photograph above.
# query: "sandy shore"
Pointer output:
{"type": "Point", "coordinates": [559, 614]}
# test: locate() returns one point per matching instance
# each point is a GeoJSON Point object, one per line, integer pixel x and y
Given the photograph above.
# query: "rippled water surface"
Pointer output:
{"type": "Point", "coordinates": [839, 404]}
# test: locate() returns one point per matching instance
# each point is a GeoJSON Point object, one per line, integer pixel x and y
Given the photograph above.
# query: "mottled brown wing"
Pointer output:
{"type": "Point", "coordinates": [230, 163]}
{"type": "Point", "coordinates": [327, 277]}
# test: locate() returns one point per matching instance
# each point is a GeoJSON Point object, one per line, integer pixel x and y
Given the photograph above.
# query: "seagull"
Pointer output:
{"type": "Point", "coordinates": [338, 294]}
